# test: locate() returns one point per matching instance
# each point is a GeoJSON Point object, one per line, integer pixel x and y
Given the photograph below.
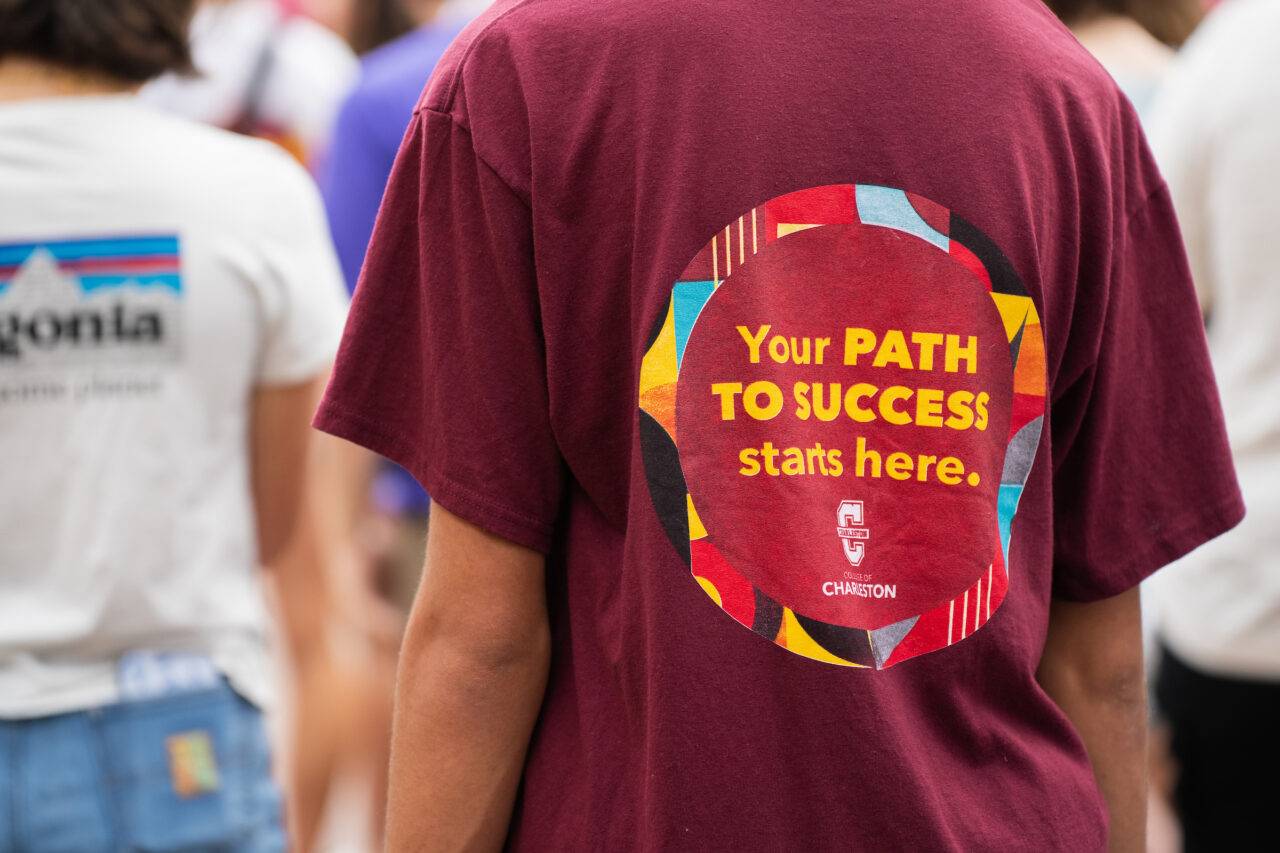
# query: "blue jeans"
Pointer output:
{"type": "Point", "coordinates": [181, 773]}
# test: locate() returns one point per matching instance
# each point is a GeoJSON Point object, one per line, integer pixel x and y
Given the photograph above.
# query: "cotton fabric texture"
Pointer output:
{"type": "Point", "coordinates": [545, 335]}
{"type": "Point", "coordinates": [366, 137]}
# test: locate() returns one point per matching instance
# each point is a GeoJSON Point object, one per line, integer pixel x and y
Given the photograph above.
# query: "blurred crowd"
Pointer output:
{"type": "Point", "coordinates": [254, 296]}
{"type": "Point", "coordinates": [332, 83]}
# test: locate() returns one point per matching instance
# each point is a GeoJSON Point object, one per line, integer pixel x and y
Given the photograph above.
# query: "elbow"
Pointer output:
{"type": "Point", "coordinates": [1118, 686]}
{"type": "Point", "coordinates": [1125, 688]}
{"type": "Point", "coordinates": [1093, 653]}
{"type": "Point", "coordinates": [479, 652]}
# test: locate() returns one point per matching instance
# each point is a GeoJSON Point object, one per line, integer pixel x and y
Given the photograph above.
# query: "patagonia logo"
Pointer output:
{"type": "Point", "coordinates": [102, 300]}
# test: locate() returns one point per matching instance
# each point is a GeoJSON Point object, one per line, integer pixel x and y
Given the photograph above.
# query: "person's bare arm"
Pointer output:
{"type": "Point", "coordinates": [473, 670]}
{"type": "Point", "coordinates": [341, 708]}
{"type": "Point", "coordinates": [279, 437]}
{"type": "Point", "coordinates": [1092, 667]}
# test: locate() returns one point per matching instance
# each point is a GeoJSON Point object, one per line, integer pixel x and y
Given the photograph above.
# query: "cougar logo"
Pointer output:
{"type": "Point", "coordinates": [853, 535]}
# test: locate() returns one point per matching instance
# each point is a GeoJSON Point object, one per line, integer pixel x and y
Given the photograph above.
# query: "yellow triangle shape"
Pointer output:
{"type": "Point", "coordinates": [1014, 311]}
{"type": "Point", "coordinates": [799, 641]}
{"type": "Point", "coordinates": [696, 529]}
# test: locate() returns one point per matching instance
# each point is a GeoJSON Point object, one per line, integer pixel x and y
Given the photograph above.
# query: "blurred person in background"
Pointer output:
{"type": "Point", "coordinates": [1215, 130]}
{"type": "Point", "coordinates": [1134, 40]}
{"type": "Point", "coordinates": [371, 123]}
{"type": "Point", "coordinates": [368, 546]}
{"type": "Point", "coordinates": [365, 24]}
{"type": "Point", "coordinates": [262, 71]}
{"type": "Point", "coordinates": [278, 70]}
{"type": "Point", "coordinates": [370, 126]}
{"type": "Point", "coordinates": [169, 306]}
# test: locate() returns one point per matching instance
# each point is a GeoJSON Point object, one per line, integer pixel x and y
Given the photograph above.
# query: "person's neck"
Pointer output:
{"type": "Point", "coordinates": [1119, 41]}
{"type": "Point", "coordinates": [423, 12]}
{"type": "Point", "coordinates": [27, 79]}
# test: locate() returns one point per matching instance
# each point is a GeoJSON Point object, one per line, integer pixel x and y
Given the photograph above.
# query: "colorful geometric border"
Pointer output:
{"type": "Point", "coordinates": [732, 248]}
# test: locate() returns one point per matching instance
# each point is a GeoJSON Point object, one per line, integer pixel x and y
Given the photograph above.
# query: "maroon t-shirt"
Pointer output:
{"type": "Point", "coordinates": [818, 345]}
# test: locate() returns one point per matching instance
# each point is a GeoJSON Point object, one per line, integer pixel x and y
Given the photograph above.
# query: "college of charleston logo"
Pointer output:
{"type": "Point", "coordinates": [851, 531]}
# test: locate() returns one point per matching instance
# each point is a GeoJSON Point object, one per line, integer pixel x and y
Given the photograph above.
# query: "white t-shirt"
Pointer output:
{"type": "Point", "coordinates": [153, 271]}
{"type": "Point", "coordinates": [1216, 132]}
{"type": "Point", "coordinates": [308, 71]}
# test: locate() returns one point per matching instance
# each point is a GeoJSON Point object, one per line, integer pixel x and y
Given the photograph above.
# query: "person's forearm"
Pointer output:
{"type": "Point", "coordinates": [1092, 668]}
{"type": "Point", "coordinates": [280, 441]}
{"type": "Point", "coordinates": [1113, 725]}
{"type": "Point", "coordinates": [462, 725]}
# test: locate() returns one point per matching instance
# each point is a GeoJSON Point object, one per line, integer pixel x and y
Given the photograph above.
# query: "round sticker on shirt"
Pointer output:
{"type": "Point", "coordinates": [839, 410]}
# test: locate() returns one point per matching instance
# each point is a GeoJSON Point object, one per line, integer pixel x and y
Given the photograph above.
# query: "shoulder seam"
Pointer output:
{"type": "Point", "coordinates": [456, 77]}
{"type": "Point", "coordinates": [522, 197]}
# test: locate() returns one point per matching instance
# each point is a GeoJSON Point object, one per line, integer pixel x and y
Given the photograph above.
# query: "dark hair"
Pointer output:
{"type": "Point", "coordinates": [131, 40]}
{"type": "Point", "coordinates": [1170, 21]}
{"type": "Point", "coordinates": [376, 22]}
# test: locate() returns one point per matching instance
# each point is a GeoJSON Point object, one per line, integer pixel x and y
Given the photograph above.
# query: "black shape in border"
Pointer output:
{"type": "Point", "coordinates": [768, 621]}
{"type": "Point", "coordinates": [1015, 345]}
{"type": "Point", "coordinates": [666, 483]}
{"type": "Point", "coordinates": [662, 319]}
{"type": "Point", "coordinates": [851, 644]}
{"type": "Point", "coordinates": [1004, 278]}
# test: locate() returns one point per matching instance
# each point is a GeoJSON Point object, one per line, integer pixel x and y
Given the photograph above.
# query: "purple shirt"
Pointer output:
{"type": "Point", "coordinates": [368, 133]}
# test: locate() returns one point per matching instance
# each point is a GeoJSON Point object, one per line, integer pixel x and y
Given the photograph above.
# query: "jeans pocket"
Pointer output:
{"type": "Point", "coordinates": [191, 775]}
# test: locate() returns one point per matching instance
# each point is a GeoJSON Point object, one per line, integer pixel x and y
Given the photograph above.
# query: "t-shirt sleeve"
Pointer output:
{"type": "Point", "coordinates": [302, 297]}
{"type": "Point", "coordinates": [1142, 470]}
{"type": "Point", "coordinates": [442, 367]}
